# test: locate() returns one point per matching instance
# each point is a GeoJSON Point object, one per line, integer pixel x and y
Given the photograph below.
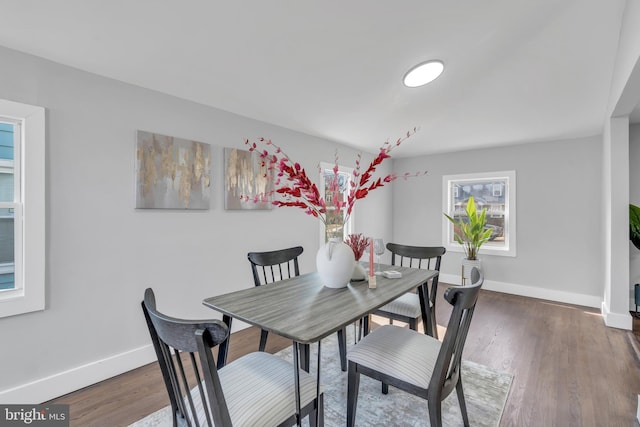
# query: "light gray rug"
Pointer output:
{"type": "Point", "coordinates": [486, 393]}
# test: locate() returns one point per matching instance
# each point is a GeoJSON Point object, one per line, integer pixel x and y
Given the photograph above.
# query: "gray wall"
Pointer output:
{"type": "Point", "coordinates": [102, 253]}
{"type": "Point", "coordinates": [559, 220]}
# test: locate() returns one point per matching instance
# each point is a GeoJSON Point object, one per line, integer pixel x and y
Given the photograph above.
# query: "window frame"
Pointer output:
{"type": "Point", "coordinates": [509, 247]}
{"type": "Point", "coordinates": [324, 167]}
{"type": "Point", "coordinates": [29, 217]}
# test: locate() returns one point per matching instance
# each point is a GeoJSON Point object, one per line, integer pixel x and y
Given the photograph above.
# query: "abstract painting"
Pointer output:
{"type": "Point", "coordinates": [248, 182]}
{"type": "Point", "coordinates": [172, 173]}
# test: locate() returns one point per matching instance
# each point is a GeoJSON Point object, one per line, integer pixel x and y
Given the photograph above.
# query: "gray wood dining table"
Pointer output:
{"type": "Point", "coordinates": [305, 311]}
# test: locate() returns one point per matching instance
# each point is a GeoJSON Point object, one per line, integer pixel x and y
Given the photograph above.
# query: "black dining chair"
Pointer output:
{"type": "Point", "coordinates": [417, 363]}
{"type": "Point", "coordinates": [406, 308]}
{"type": "Point", "coordinates": [273, 266]}
{"type": "Point", "coordinates": [256, 389]}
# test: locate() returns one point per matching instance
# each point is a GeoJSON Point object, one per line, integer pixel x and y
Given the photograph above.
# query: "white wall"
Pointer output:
{"type": "Point", "coordinates": [102, 253]}
{"type": "Point", "coordinates": [558, 200]}
{"type": "Point", "coordinates": [624, 96]}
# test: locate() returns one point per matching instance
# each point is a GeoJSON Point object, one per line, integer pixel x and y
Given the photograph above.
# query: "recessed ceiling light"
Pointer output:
{"type": "Point", "coordinates": [423, 73]}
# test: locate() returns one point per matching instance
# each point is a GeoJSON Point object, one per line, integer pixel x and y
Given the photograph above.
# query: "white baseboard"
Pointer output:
{"type": "Point", "coordinates": [532, 291]}
{"type": "Point", "coordinates": [59, 384]}
{"type": "Point", "coordinates": [616, 320]}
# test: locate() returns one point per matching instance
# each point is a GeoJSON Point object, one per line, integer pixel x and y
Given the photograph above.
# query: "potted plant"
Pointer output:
{"type": "Point", "coordinates": [471, 232]}
{"type": "Point", "coordinates": [634, 225]}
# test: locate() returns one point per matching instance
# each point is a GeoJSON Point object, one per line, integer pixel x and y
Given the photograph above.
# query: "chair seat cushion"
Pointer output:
{"type": "Point", "coordinates": [259, 389]}
{"type": "Point", "coordinates": [407, 305]}
{"type": "Point", "coordinates": [398, 352]}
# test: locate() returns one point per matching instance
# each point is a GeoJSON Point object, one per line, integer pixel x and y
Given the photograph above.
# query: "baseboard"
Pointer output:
{"type": "Point", "coordinates": [532, 291]}
{"type": "Point", "coordinates": [59, 384]}
{"type": "Point", "coordinates": [65, 382]}
{"type": "Point", "coordinates": [616, 320]}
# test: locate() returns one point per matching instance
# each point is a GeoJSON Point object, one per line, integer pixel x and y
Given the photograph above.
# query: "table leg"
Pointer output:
{"type": "Point", "coordinates": [305, 356]}
{"type": "Point", "coordinates": [318, 390]}
{"type": "Point", "coordinates": [296, 377]}
{"type": "Point", "coordinates": [366, 325]}
{"type": "Point", "coordinates": [425, 308]}
{"type": "Point", "coordinates": [342, 345]}
{"type": "Point", "coordinates": [223, 348]}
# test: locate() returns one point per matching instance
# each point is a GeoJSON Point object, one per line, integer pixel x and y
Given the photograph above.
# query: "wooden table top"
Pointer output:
{"type": "Point", "coordinates": [304, 310]}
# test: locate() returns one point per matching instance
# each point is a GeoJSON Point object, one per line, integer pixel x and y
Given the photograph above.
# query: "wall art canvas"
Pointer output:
{"type": "Point", "coordinates": [248, 183]}
{"type": "Point", "coordinates": [172, 173]}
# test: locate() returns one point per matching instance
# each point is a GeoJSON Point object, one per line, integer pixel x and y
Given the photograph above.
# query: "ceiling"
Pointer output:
{"type": "Point", "coordinates": [515, 71]}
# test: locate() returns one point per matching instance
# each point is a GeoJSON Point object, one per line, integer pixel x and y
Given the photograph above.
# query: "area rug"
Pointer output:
{"type": "Point", "coordinates": [485, 391]}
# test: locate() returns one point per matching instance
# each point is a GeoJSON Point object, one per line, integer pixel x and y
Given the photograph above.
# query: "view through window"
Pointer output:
{"type": "Point", "coordinates": [8, 133]}
{"type": "Point", "coordinates": [22, 208]}
{"type": "Point", "coordinates": [336, 225]}
{"type": "Point", "coordinates": [495, 192]}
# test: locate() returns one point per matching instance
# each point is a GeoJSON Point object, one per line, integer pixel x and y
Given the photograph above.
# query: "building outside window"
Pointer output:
{"type": "Point", "coordinates": [493, 191]}
{"type": "Point", "coordinates": [336, 225]}
{"type": "Point", "coordinates": [8, 132]}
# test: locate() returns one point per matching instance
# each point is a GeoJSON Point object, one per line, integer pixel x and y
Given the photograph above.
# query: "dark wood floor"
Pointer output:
{"type": "Point", "coordinates": [569, 369]}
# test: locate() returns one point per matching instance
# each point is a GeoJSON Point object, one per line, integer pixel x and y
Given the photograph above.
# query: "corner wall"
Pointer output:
{"type": "Point", "coordinates": [558, 199]}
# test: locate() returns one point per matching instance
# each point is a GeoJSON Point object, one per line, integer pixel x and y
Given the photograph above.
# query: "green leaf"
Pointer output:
{"type": "Point", "coordinates": [634, 225]}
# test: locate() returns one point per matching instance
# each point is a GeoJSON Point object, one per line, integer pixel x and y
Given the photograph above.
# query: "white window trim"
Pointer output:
{"type": "Point", "coordinates": [329, 166]}
{"type": "Point", "coordinates": [509, 248]}
{"type": "Point", "coordinates": [30, 296]}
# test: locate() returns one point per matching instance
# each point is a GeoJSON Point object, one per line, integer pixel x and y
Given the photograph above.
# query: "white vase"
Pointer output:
{"type": "Point", "coordinates": [335, 263]}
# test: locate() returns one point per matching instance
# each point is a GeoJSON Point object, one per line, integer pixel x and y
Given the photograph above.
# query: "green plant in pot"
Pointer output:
{"type": "Point", "coordinates": [634, 225]}
{"type": "Point", "coordinates": [471, 232]}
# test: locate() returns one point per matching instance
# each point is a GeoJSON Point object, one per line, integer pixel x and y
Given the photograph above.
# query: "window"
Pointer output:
{"type": "Point", "coordinates": [493, 191]}
{"type": "Point", "coordinates": [22, 208]}
{"type": "Point", "coordinates": [9, 187]}
{"type": "Point", "coordinates": [336, 226]}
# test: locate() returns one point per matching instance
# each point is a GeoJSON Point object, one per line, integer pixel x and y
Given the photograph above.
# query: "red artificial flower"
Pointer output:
{"type": "Point", "coordinates": [296, 189]}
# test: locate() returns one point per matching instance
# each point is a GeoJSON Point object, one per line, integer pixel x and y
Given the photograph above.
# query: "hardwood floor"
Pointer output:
{"type": "Point", "coordinates": [569, 369]}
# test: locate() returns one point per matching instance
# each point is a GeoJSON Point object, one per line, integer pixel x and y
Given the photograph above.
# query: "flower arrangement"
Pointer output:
{"type": "Point", "coordinates": [295, 188]}
{"type": "Point", "coordinates": [358, 244]}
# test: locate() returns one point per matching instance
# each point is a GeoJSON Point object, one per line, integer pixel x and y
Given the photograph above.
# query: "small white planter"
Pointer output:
{"type": "Point", "coordinates": [467, 266]}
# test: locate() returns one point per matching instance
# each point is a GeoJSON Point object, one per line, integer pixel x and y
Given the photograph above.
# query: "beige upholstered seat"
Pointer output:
{"type": "Point", "coordinates": [399, 352]}
{"type": "Point", "coordinates": [258, 389]}
{"type": "Point", "coordinates": [407, 307]}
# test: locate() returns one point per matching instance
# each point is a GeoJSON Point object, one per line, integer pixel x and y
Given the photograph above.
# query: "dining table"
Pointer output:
{"type": "Point", "coordinates": [304, 310]}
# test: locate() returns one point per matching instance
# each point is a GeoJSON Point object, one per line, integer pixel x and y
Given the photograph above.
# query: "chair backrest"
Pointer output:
{"type": "Point", "coordinates": [273, 266]}
{"type": "Point", "coordinates": [416, 256]}
{"type": "Point", "coordinates": [176, 346]}
{"type": "Point", "coordinates": [447, 368]}
{"type": "Point", "coordinates": [428, 257]}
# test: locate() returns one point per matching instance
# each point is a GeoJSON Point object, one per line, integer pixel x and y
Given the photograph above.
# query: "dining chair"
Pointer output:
{"type": "Point", "coordinates": [273, 266]}
{"type": "Point", "coordinates": [406, 308]}
{"type": "Point", "coordinates": [417, 363]}
{"type": "Point", "coordinates": [256, 389]}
